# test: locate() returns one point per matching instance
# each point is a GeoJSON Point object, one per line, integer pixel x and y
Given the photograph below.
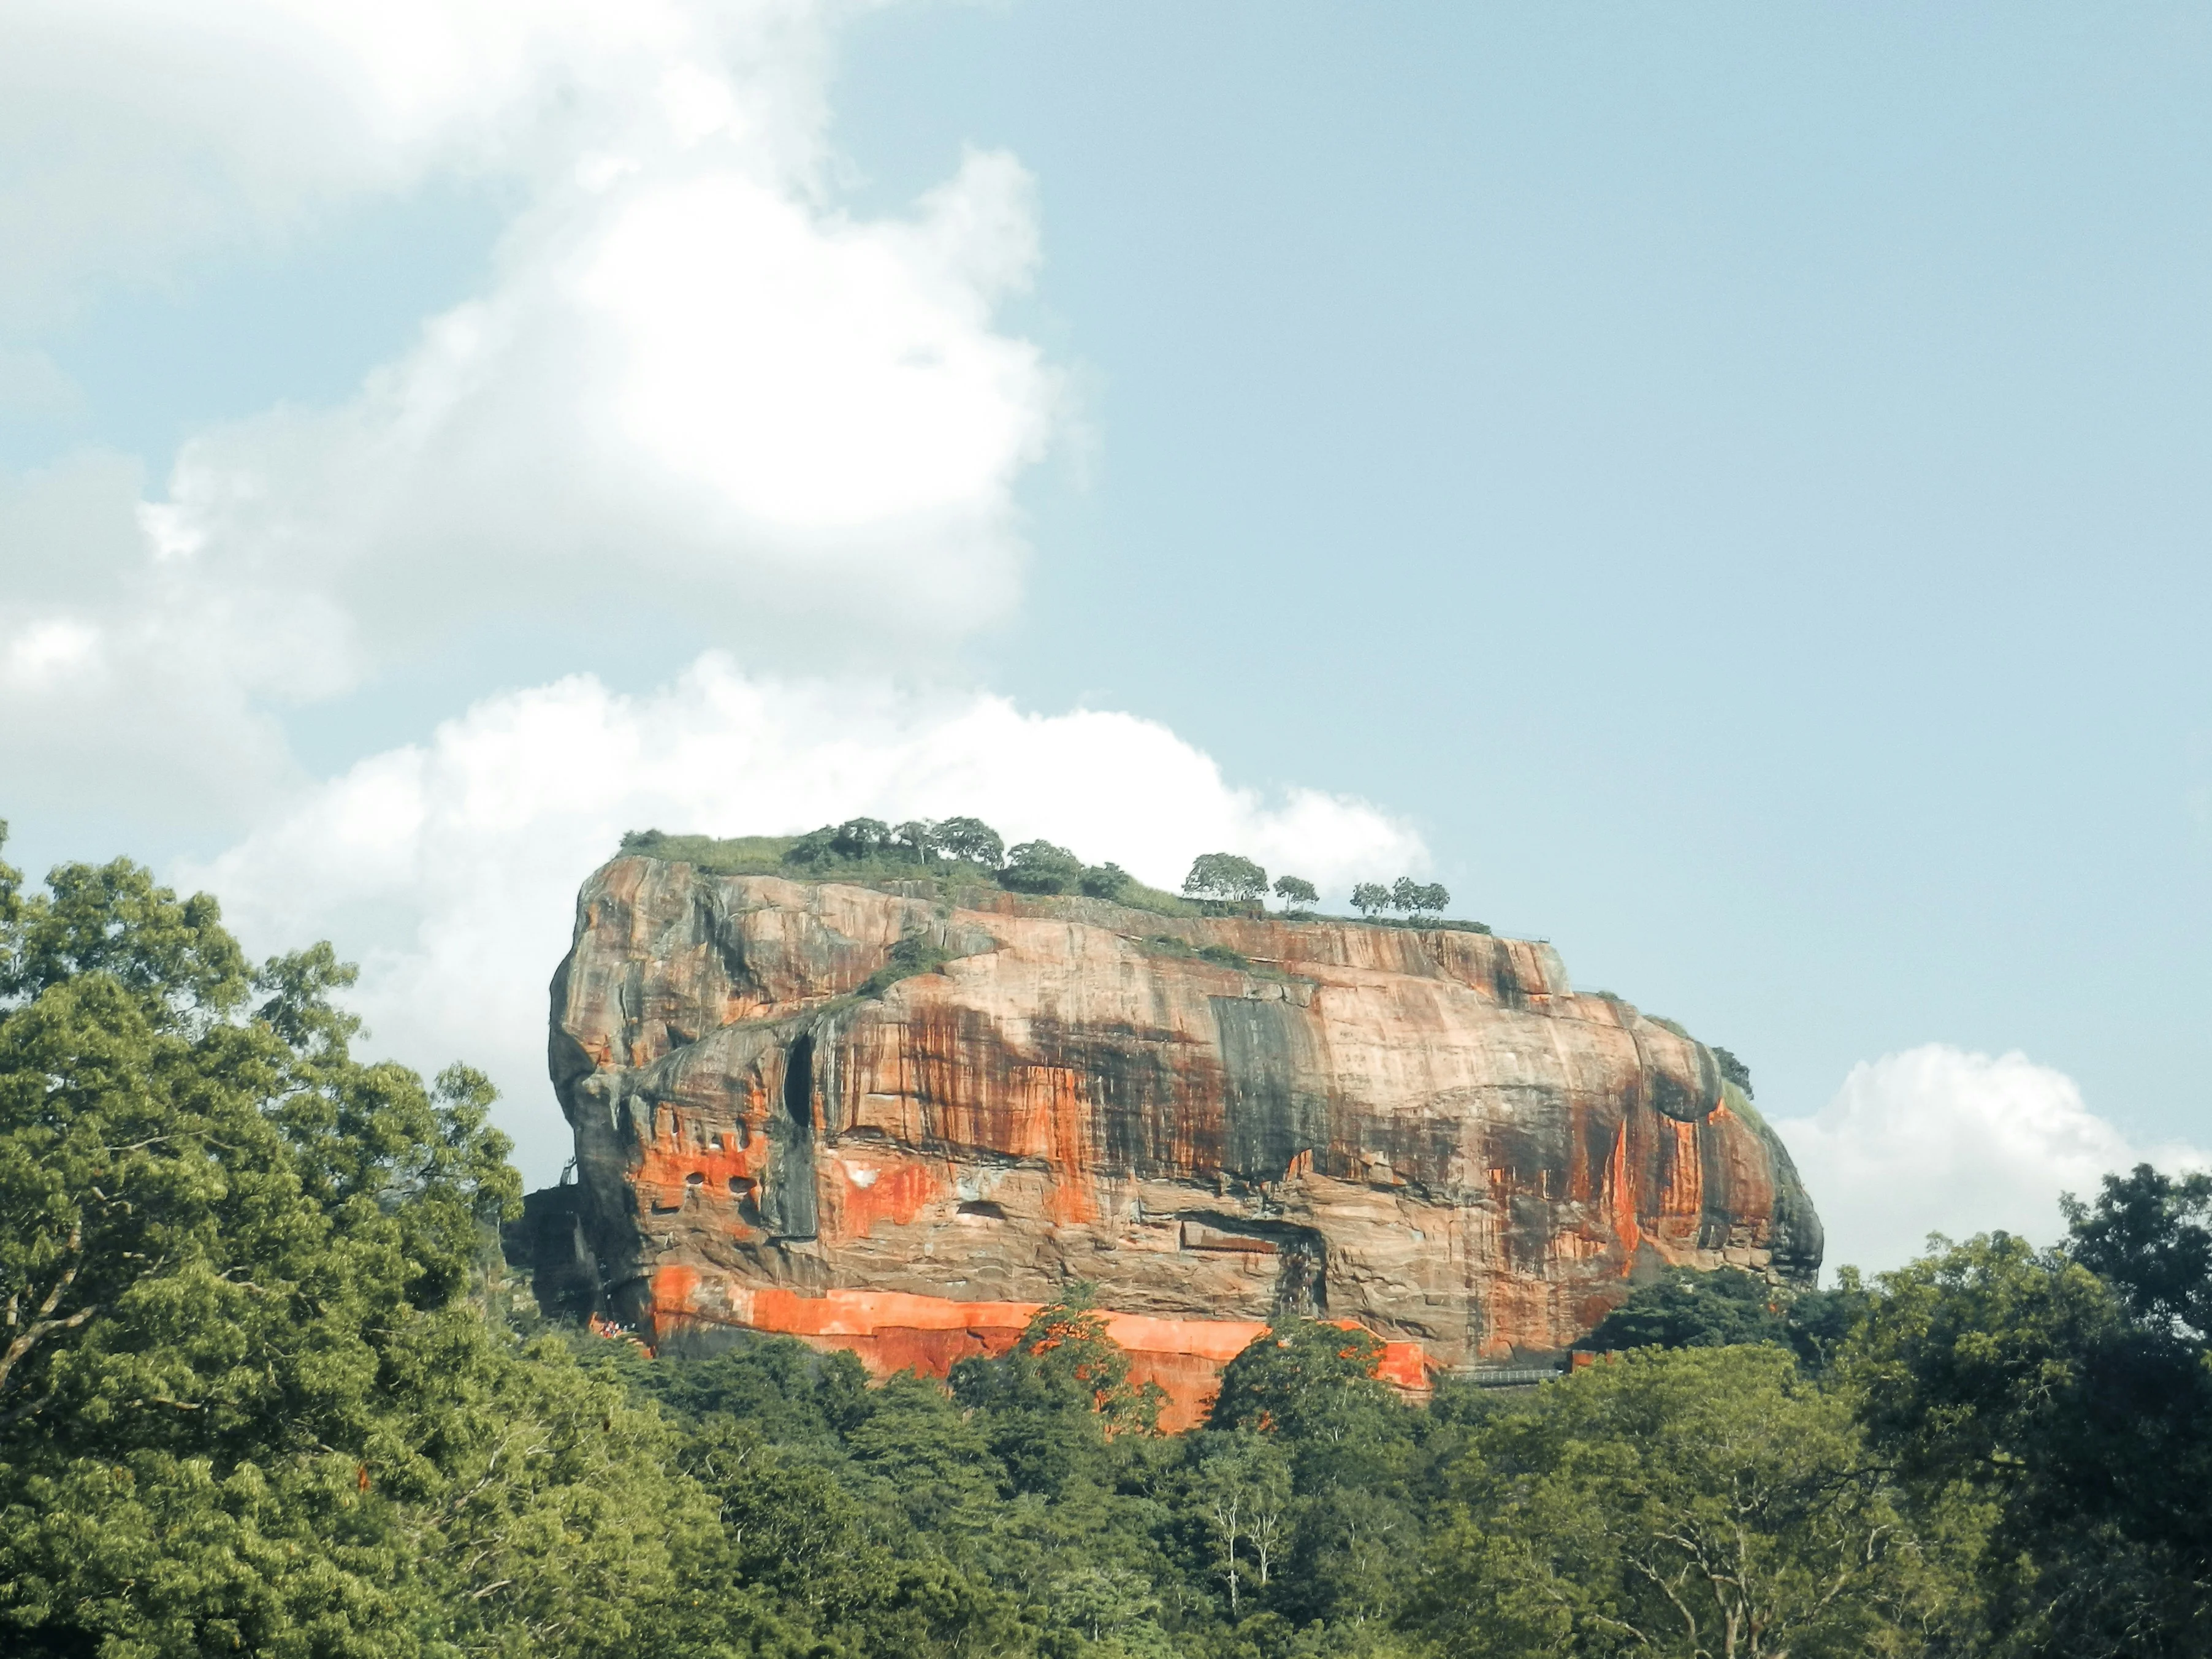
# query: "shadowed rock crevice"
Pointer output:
{"type": "Point", "coordinates": [1267, 1049]}
{"type": "Point", "coordinates": [789, 1208]}
{"type": "Point", "coordinates": [1299, 1254]}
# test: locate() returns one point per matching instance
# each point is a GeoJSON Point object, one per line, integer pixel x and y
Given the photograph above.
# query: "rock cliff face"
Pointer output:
{"type": "Point", "coordinates": [897, 1120]}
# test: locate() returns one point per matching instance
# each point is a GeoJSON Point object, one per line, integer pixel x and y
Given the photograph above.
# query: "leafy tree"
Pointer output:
{"type": "Point", "coordinates": [929, 1461]}
{"type": "Point", "coordinates": [1697, 1503]}
{"type": "Point", "coordinates": [1723, 1308]}
{"type": "Point", "coordinates": [791, 1527]}
{"type": "Point", "coordinates": [1224, 876]}
{"type": "Point", "coordinates": [850, 1520]}
{"type": "Point", "coordinates": [814, 849]}
{"type": "Point", "coordinates": [2149, 1236]}
{"type": "Point", "coordinates": [1038, 866]}
{"type": "Point", "coordinates": [1104, 1601]}
{"type": "Point", "coordinates": [1049, 1405]}
{"type": "Point", "coordinates": [1418, 898]}
{"type": "Point", "coordinates": [1734, 1070]}
{"type": "Point", "coordinates": [1309, 1380]}
{"type": "Point", "coordinates": [970, 839]}
{"type": "Point", "coordinates": [916, 838]}
{"type": "Point", "coordinates": [248, 1402]}
{"type": "Point", "coordinates": [1296, 891]}
{"type": "Point", "coordinates": [1105, 881]}
{"type": "Point", "coordinates": [861, 838]}
{"type": "Point", "coordinates": [1370, 897]}
{"type": "Point", "coordinates": [2078, 1409]}
{"type": "Point", "coordinates": [1311, 1387]}
{"type": "Point", "coordinates": [856, 841]}
{"type": "Point", "coordinates": [789, 1393]}
{"type": "Point", "coordinates": [1356, 1559]}
{"type": "Point", "coordinates": [1243, 1484]}
{"type": "Point", "coordinates": [1822, 1324]}
{"type": "Point", "coordinates": [1727, 1307]}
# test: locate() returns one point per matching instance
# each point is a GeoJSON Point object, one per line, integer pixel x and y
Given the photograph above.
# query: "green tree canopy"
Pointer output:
{"type": "Point", "coordinates": [1038, 866]}
{"type": "Point", "coordinates": [1241, 1486]}
{"type": "Point", "coordinates": [1418, 898]}
{"type": "Point", "coordinates": [2149, 1236]}
{"type": "Point", "coordinates": [1690, 1503]}
{"type": "Point", "coordinates": [1306, 1378]}
{"type": "Point", "coordinates": [970, 839]}
{"type": "Point", "coordinates": [265, 1388]}
{"type": "Point", "coordinates": [1105, 881]}
{"type": "Point", "coordinates": [916, 838]}
{"type": "Point", "coordinates": [247, 1403]}
{"type": "Point", "coordinates": [1688, 1307]}
{"type": "Point", "coordinates": [1224, 876]}
{"type": "Point", "coordinates": [813, 849]}
{"type": "Point", "coordinates": [1051, 1404]}
{"type": "Point", "coordinates": [1734, 1070]}
{"type": "Point", "coordinates": [1370, 897]}
{"type": "Point", "coordinates": [2078, 1407]}
{"type": "Point", "coordinates": [1297, 890]}
{"type": "Point", "coordinates": [1727, 1307]}
{"type": "Point", "coordinates": [861, 838]}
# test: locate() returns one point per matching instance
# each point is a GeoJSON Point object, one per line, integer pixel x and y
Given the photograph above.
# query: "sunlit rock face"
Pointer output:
{"type": "Point", "coordinates": [1424, 1133]}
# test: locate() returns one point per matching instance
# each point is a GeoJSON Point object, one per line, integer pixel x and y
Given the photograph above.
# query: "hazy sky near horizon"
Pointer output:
{"type": "Point", "coordinates": [1724, 490]}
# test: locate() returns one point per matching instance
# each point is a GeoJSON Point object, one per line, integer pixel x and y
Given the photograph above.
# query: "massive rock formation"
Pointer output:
{"type": "Point", "coordinates": [896, 1118]}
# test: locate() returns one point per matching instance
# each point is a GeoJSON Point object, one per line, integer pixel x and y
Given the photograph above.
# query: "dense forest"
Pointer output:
{"type": "Point", "coordinates": [266, 1387]}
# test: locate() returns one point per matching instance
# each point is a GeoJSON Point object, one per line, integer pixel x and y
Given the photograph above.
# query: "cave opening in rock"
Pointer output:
{"type": "Point", "coordinates": [983, 1209]}
{"type": "Point", "coordinates": [798, 1083]}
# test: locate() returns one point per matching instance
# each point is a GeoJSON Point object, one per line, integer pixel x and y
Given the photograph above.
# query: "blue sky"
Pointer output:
{"type": "Point", "coordinates": [1737, 477]}
{"type": "Point", "coordinates": [1725, 490]}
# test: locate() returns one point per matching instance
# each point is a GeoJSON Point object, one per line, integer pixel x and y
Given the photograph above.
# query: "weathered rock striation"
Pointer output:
{"type": "Point", "coordinates": [896, 1119]}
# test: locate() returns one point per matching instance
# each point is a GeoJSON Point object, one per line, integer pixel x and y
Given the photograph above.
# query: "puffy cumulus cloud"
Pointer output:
{"type": "Point", "coordinates": [689, 389]}
{"type": "Point", "coordinates": [449, 869]}
{"type": "Point", "coordinates": [124, 682]}
{"type": "Point", "coordinates": [694, 383]}
{"type": "Point", "coordinates": [138, 134]}
{"type": "Point", "coordinates": [1940, 1139]}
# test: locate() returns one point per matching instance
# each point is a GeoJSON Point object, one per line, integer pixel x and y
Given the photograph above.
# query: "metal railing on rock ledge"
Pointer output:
{"type": "Point", "coordinates": [1509, 1377]}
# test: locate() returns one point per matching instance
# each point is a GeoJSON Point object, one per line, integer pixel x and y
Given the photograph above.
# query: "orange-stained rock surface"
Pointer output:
{"type": "Point", "coordinates": [1424, 1133]}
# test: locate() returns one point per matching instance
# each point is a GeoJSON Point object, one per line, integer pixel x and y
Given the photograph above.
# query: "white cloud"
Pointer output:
{"type": "Point", "coordinates": [690, 391]}
{"type": "Point", "coordinates": [1940, 1139]}
{"type": "Point", "coordinates": [694, 386]}
{"type": "Point", "coordinates": [142, 135]}
{"type": "Point", "coordinates": [694, 383]}
{"type": "Point", "coordinates": [45, 652]}
{"type": "Point", "coordinates": [124, 684]}
{"type": "Point", "coordinates": [450, 869]}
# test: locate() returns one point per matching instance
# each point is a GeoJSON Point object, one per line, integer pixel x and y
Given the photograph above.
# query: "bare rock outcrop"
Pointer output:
{"type": "Point", "coordinates": [896, 1119]}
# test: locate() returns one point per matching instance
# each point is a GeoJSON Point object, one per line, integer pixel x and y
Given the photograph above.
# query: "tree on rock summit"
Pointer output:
{"type": "Point", "coordinates": [1038, 866]}
{"type": "Point", "coordinates": [1224, 876]}
{"type": "Point", "coordinates": [1106, 881]}
{"type": "Point", "coordinates": [1418, 898]}
{"type": "Point", "coordinates": [971, 839]}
